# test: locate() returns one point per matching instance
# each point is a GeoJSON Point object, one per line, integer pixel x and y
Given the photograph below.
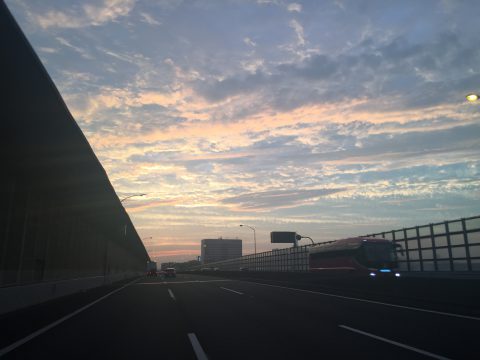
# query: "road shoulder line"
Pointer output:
{"type": "Point", "coordinates": [371, 301]}
{"type": "Point", "coordinates": [408, 347]}
{"type": "Point", "coordinates": [39, 332]}
{"type": "Point", "coordinates": [181, 282]}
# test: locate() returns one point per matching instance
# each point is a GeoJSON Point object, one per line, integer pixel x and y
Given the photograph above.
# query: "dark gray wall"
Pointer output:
{"type": "Point", "coordinates": [59, 215]}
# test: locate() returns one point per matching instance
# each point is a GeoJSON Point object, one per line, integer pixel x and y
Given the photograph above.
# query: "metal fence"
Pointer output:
{"type": "Point", "coordinates": [446, 246]}
{"type": "Point", "coordinates": [291, 259]}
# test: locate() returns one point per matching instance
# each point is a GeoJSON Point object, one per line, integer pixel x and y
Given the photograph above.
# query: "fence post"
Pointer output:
{"type": "Point", "coordinates": [449, 244]}
{"type": "Point", "coordinates": [406, 249]}
{"type": "Point", "coordinates": [467, 247]}
{"type": "Point", "coordinates": [434, 248]}
{"type": "Point", "coordinates": [419, 244]}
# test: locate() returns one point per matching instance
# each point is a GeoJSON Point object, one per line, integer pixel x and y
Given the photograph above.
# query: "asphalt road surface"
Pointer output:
{"type": "Point", "coordinates": [206, 317]}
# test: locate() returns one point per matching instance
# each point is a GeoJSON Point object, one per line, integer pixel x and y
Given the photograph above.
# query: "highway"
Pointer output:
{"type": "Point", "coordinates": [208, 317]}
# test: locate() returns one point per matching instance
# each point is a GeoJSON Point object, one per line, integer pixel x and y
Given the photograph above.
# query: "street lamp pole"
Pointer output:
{"type": "Point", "coordinates": [122, 200]}
{"type": "Point", "coordinates": [254, 236]}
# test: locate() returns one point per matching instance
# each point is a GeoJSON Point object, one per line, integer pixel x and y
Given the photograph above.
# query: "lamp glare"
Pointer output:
{"type": "Point", "coordinates": [472, 97]}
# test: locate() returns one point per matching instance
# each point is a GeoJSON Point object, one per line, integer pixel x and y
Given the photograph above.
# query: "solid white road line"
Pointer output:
{"type": "Point", "coordinates": [236, 292]}
{"type": "Point", "coordinates": [197, 348]}
{"type": "Point", "coordinates": [180, 282]}
{"type": "Point", "coordinates": [33, 335]}
{"type": "Point", "coordinates": [171, 294]}
{"type": "Point", "coordinates": [423, 352]}
{"type": "Point", "coordinates": [372, 302]}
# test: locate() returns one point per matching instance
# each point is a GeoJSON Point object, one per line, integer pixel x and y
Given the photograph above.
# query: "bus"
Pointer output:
{"type": "Point", "coordinates": [359, 256]}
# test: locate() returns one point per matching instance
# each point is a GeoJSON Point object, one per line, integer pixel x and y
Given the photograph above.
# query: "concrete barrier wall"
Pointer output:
{"type": "Point", "coordinates": [16, 297]}
{"type": "Point", "coordinates": [62, 226]}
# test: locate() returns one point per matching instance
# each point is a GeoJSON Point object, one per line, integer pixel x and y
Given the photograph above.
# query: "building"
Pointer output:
{"type": "Point", "coordinates": [220, 249]}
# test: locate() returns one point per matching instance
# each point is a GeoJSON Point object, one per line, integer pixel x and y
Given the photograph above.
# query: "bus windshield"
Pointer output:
{"type": "Point", "coordinates": [379, 252]}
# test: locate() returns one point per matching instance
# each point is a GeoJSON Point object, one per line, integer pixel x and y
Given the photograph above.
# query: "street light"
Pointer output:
{"type": "Point", "coordinates": [472, 97]}
{"type": "Point", "coordinates": [128, 197]}
{"type": "Point", "coordinates": [122, 200]}
{"type": "Point", "coordinates": [254, 236]}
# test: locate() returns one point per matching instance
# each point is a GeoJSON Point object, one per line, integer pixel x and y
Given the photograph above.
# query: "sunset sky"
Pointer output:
{"type": "Point", "coordinates": [329, 118]}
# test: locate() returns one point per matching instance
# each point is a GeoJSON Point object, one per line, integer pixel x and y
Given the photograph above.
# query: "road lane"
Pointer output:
{"type": "Point", "coordinates": [36, 333]}
{"type": "Point", "coordinates": [236, 320]}
{"type": "Point", "coordinates": [139, 321]}
{"type": "Point", "coordinates": [382, 303]}
{"type": "Point", "coordinates": [451, 337]}
{"type": "Point", "coordinates": [256, 327]}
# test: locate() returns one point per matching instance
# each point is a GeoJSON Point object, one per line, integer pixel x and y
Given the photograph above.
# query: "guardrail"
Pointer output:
{"type": "Point", "coordinates": [452, 245]}
{"type": "Point", "coordinates": [446, 246]}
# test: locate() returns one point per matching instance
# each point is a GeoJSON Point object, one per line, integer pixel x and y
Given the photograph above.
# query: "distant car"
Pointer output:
{"type": "Point", "coordinates": [170, 272]}
{"type": "Point", "coordinates": [244, 269]}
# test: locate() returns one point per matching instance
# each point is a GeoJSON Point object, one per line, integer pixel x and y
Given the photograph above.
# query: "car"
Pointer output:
{"type": "Point", "coordinates": [170, 272]}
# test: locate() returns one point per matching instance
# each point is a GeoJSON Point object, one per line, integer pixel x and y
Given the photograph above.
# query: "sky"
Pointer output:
{"type": "Point", "coordinates": [329, 118]}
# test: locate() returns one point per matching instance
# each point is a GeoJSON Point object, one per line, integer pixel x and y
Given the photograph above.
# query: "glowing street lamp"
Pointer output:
{"type": "Point", "coordinates": [472, 97]}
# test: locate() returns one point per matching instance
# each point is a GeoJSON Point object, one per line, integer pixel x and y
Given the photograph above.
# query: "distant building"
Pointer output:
{"type": "Point", "coordinates": [220, 249]}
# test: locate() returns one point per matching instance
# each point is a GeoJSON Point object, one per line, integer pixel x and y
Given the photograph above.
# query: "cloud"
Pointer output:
{"type": "Point", "coordinates": [278, 198]}
{"type": "Point", "coordinates": [295, 25]}
{"type": "Point", "coordinates": [272, 114]}
{"type": "Point", "coordinates": [392, 74]}
{"type": "Point", "coordinates": [249, 42]}
{"type": "Point", "coordinates": [144, 205]}
{"type": "Point", "coordinates": [149, 19]}
{"type": "Point", "coordinates": [87, 15]}
{"type": "Point", "coordinates": [48, 50]}
{"type": "Point", "coordinates": [294, 7]}
{"type": "Point", "coordinates": [79, 50]}
{"type": "Point", "coordinates": [219, 90]}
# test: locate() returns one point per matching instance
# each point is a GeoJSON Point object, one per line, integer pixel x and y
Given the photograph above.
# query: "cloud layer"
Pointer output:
{"type": "Point", "coordinates": [327, 118]}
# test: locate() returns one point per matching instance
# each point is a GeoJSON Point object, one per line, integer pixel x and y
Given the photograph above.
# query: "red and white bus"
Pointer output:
{"type": "Point", "coordinates": [355, 257]}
